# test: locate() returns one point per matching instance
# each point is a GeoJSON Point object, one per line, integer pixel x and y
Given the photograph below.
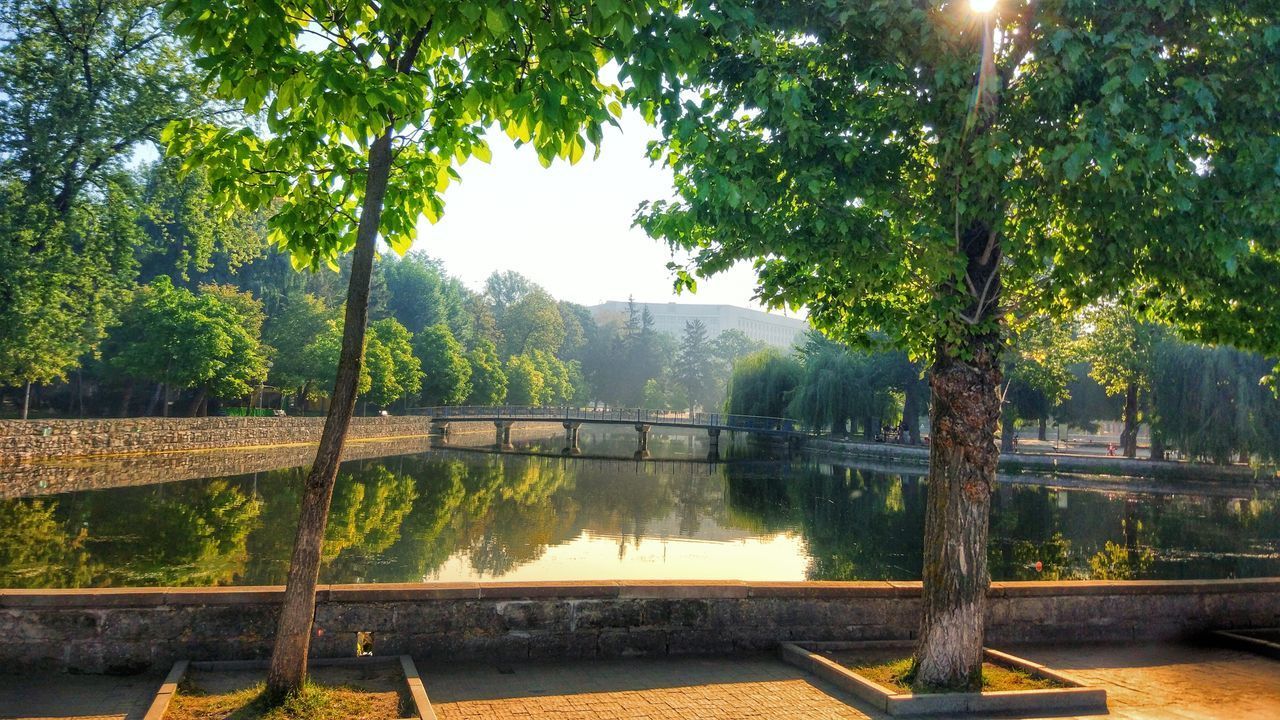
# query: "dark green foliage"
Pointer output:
{"type": "Point", "coordinates": [762, 383]}
{"type": "Point", "coordinates": [446, 372]}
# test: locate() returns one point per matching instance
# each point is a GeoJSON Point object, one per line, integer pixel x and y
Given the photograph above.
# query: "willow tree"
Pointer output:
{"type": "Point", "coordinates": [366, 107]}
{"type": "Point", "coordinates": [938, 171]}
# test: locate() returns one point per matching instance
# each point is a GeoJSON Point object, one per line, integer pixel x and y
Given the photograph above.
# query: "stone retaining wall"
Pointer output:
{"type": "Point", "coordinates": [94, 473]}
{"type": "Point", "coordinates": [23, 440]}
{"type": "Point", "coordinates": [1034, 463]}
{"type": "Point", "coordinates": [125, 629]}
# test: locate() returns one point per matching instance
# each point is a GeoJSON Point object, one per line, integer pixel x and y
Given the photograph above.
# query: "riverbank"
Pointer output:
{"type": "Point", "coordinates": [1056, 463]}
{"type": "Point", "coordinates": [29, 440]}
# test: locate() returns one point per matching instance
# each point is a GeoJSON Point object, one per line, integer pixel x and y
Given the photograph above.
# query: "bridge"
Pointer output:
{"type": "Point", "coordinates": [503, 417]}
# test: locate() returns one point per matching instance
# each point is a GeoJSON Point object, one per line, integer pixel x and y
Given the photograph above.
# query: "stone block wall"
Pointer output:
{"type": "Point", "coordinates": [92, 473]}
{"type": "Point", "coordinates": [117, 630]}
{"type": "Point", "coordinates": [24, 440]}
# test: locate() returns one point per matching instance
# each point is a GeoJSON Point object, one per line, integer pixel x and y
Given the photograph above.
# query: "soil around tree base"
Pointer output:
{"type": "Point", "coordinates": [895, 674]}
{"type": "Point", "coordinates": [331, 693]}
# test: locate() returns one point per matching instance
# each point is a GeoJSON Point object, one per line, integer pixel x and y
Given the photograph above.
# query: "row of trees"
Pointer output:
{"type": "Point", "coordinates": [1208, 403]}
{"type": "Point", "coordinates": [192, 336]}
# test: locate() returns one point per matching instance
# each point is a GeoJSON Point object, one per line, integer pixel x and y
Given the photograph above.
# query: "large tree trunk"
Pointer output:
{"type": "Point", "coordinates": [962, 471]}
{"type": "Point", "coordinates": [26, 400]}
{"type": "Point", "coordinates": [126, 397]}
{"type": "Point", "coordinates": [1129, 435]}
{"type": "Point", "coordinates": [1007, 420]}
{"type": "Point", "coordinates": [193, 410]}
{"type": "Point", "coordinates": [293, 634]}
{"type": "Point", "coordinates": [1043, 433]}
{"type": "Point", "coordinates": [911, 412]}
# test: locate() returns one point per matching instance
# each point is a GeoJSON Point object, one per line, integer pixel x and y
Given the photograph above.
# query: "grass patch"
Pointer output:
{"type": "Point", "coordinates": [313, 702]}
{"type": "Point", "coordinates": [896, 675]}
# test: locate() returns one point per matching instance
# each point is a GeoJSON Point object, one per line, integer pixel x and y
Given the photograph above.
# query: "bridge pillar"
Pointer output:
{"type": "Point", "coordinates": [643, 448]}
{"type": "Point", "coordinates": [714, 434]}
{"type": "Point", "coordinates": [571, 437]}
{"type": "Point", "coordinates": [440, 427]}
{"type": "Point", "coordinates": [503, 428]}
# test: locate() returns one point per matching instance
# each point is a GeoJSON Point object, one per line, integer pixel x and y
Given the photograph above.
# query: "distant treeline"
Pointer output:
{"type": "Point", "coordinates": [1214, 404]}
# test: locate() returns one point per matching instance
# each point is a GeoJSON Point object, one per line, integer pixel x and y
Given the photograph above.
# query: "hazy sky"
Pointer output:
{"type": "Point", "coordinates": [568, 227]}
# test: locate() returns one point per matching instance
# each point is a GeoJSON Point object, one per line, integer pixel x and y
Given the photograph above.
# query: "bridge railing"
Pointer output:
{"type": "Point", "coordinates": [516, 412]}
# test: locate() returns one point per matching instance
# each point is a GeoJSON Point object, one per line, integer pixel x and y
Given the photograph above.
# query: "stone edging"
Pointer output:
{"type": "Point", "coordinates": [422, 709]}
{"type": "Point", "coordinates": [604, 589]}
{"type": "Point", "coordinates": [1075, 697]}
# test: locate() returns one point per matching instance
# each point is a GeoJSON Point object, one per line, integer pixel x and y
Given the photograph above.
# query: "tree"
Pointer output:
{"type": "Point", "coordinates": [488, 379]}
{"type": "Point", "coordinates": [1036, 375]}
{"type": "Point", "coordinates": [505, 289]}
{"type": "Point", "coordinates": [320, 360]}
{"type": "Point", "coordinates": [185, 234]}
{"type": "Point", "coordinates": [208, 341]}
{"type": "Point", "coordinates": [299, 320]}
{"type": "Point", "coordinates": [1119, 347]}
{"type": "Point", "coordinates": [761, 384]}
{"type": "Point", "coordinates": [525, 385]}
{"type": "Point", "coordinates": [414, 286]}
{"type": "Point", "coordinates": [532, 323]}
{"type": "Point", "coordinates": [693, 368]}
{"type": "Point", "coordinates": [557, 378]}
{"type": "Point", "coordinates": [399, 372]}
{"type": "Point", "coordinates": [896, 168]}
{"type": "Point", "coordinates": [82, 86]}
{"type": "Point", "coordinates": [447, 374]}
{"type": "Point", "coordinates": [362, 130]}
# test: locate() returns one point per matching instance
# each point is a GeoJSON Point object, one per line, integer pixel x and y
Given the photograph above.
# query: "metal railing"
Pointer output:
{"type": "Point", "coordinates": [724, 421]}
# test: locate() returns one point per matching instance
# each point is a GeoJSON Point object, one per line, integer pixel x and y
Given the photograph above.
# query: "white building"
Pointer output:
{"type": "Point", "coordinates": [776, 330]}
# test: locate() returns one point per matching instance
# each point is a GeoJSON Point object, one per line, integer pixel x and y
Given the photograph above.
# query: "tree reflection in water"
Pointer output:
{"type": "Point", "coordinates": [475, 515]}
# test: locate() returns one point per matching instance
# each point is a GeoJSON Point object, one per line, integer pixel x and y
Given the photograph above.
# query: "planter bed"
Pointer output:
{"type": "Point", "coordinates": [1062, 693]}
{"type": "Point", "coordinates": [392, 683]}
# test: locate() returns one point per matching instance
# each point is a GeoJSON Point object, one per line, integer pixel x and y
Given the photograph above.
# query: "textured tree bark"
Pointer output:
{"type": "Point", "coordinates": [965, 412]}
{"type": "Point", "coordinates": [1129, 435]}
{"type": "Point", "coordinates": [288, 667]}
{"type": "Point", "coordinates": [126, 398]}
{"type": "Point", "coordinates": [962, 470]}
{"type": "Point", "coordinates": [911, 413]}
{"type": "Point", "coordinates": [1007, 430]}
{"type": "Point", "coordinates": [1043, 433]}
{"type": "Point", "coordinates": [193, 410]}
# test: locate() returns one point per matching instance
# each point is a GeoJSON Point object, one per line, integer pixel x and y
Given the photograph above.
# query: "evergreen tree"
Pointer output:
{"type": "Point", "coordinates": [694, 365]}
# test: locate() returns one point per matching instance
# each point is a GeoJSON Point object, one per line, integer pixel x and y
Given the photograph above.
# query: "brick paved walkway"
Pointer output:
{"type": "Point", "coordinates": [708, 689]}
{"type": "Point", "coordinates": [1143, 682]}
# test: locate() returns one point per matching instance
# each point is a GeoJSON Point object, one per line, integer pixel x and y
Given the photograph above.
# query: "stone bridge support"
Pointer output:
{"type": "Point", "coordinates": [571, 437]}
{"type": "Point", "coordinates": [503, 428]}
{"type": "Point", "coordinates": [713, 453]}
{"type": "Point", "coordinates": [642, 450]}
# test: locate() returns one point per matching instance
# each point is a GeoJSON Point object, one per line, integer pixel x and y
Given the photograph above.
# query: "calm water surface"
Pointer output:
{"type": "Point", "coordinates": [453, 514]}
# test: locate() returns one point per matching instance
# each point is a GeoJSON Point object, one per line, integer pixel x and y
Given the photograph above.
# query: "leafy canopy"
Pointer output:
{"type": "Point", "coordinates": [1133, 148]}
{"type": "Point", "coordinates": [329, 79]}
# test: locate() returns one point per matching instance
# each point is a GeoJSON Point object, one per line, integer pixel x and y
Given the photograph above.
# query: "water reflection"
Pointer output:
{"type": "Point", "coordinates": [459, 515]}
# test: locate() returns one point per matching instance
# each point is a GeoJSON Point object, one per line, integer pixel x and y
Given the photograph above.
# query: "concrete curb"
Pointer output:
{"type": "Point", "coordinates": [160, 705]}
{"type": "Point", "coordinates": [1075, 698]}
{"type": "Point", "coordinates": [422, 709]}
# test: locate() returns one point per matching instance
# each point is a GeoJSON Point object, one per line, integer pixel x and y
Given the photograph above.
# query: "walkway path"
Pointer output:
{"type": "Point", "coordinates": [1148, 681]}
{"type": "Point", "coordinates": [79, 697]}
{"type": "Point", "coordinates": [1142, 681]}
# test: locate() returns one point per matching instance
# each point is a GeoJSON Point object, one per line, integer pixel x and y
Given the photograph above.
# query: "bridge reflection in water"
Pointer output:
{"type": "Point", "coordinates": [504, 417]}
